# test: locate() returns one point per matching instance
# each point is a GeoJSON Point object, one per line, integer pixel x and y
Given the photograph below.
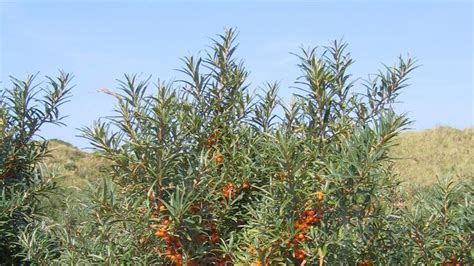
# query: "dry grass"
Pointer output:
{"type": "Point", "coordinates": [424, 155]}
{"type": "Point", "coordinates": [75, 167]}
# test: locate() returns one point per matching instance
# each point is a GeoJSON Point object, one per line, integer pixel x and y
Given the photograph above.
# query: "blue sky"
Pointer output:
{"type": "Point", "coordinates": [98, 41]}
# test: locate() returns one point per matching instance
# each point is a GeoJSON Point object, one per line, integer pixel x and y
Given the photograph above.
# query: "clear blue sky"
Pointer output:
{"type": "Point", "coordinates": [100, 40]}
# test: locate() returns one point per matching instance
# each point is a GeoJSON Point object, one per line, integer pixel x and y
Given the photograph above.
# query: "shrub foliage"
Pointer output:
{"type": "Point", "coordinates": [24, 109]}
{"type": "Point", "coordinates": [205, 171]}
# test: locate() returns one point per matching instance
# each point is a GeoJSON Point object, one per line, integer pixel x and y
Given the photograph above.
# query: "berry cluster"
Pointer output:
{"type": "Point", "coordinates": [173, 244]}
{"type": "Point", "coordinates": [230, 191]}
{"type": "Point", "coordinates": [309, 218]}
{"type": "Point", "coordinates": [212, 139]}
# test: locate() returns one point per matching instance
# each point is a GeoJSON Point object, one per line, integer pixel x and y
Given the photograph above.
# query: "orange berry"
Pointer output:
{"type": "Point", "coordinates": [297, 224]}
{"type": "Point", "coordinates": [300, 254]}
{"type": "Point", "coordinates": [219, 159]}
{"type": "Point", "coordinates": [301, 237]}
{"type": "Point", "coordinates": [226, 194]}
{"type": "Point", "coordinates": [166, 221]}
{"type": "Point", "coordinates": [161, 232]}
{"type": "Point", "coordinates": [246, 185]}
{"type": "Point", "coordinates": [314, 219]}
{"type": "Point", "coordinates": [162, 207]}
{"type": "Point", "coordinates": [252, 250]}
{"type": "Point", "coordinates": [281, 176]}
{"type": "Point", "coordinates": [11, 158]}
{"type": "Point", "coordinates": [176, 259]}
{"type": "Point", "coordinates": [319, 196]}
{"type": "Point", "coordinates": [214, 238]}
{"type": "Point", "coordinates": [209, 143]}
{"type": "Point", "coordinates": [309, 213]}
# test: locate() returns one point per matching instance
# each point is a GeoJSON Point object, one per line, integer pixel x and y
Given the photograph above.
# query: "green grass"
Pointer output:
{"type": "Point", "coordinates": [420, 156]}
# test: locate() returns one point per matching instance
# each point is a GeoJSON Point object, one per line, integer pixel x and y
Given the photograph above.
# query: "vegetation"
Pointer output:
{"type": "Point", "coordinates": [23, 186]}
{"type": "Point", "coordinates": [423, 155]}
{"type": "Point", "coordinates": [75, 168]}
{"type": "Point", "coordinates": [201, 172]}
{"type": "Point", "coordinates": [419, 158]}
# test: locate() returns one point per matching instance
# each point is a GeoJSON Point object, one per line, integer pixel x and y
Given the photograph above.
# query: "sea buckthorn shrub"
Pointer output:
{"type": "Point", "coordinates": [24, 109]}
{"type": "Point", "coordinates": [203, 171]}
{"type": "Point", "coordinates": [438, 227]}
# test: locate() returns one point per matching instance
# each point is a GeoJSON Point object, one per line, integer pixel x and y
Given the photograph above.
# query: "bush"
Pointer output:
{"type": "Point", "coordinates": [24, 109]}
{"type": "Point", "coordinates": [202, 172]}
{"type": "Point", "coordinates": [438, 226]}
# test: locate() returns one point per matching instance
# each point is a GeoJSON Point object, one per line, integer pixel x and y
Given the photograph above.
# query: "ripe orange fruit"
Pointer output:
{"type": "Point", "coordinates": [162, 207]}
{"type": "Point", "coordinates": [161, 232]}
{"type": "Point", "coordinates": [252, 250]}
{"type": "Point", "coordinates": [246, 185]}
{"type": "Point", "coordinates": [319, 196]}
{"type": "Point", "coordinates": [300, 254]}
{"type": "Point", "coordinates": [309, 213]}
{"type": "Point", "coordinates": [212, 139]}
{"type": "Point", "coordinates": [301, 237]}
{"type": "Point", "coordinates": [281, 176]}
{"type": "Point", "coordinates": [314, 219]}
{"type": "Point", "coordinates": [226, 193]}
{"type": "Point", "coordinates": [209, 143]}
{"type": "Point", "coordinates": [297, 224]}
{"type": "Point", "coordinates": [176, 259]}
{"type": "Point", "coordinates": [214, 238]}
{"type": "Point", "coordinates": [219, 159]}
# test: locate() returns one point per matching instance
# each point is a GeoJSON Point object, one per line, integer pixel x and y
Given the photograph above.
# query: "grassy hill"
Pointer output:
{"type": "Point", "coordinates": [420, 157]}
{"type": "Point", "coordinates": [73, 166]}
